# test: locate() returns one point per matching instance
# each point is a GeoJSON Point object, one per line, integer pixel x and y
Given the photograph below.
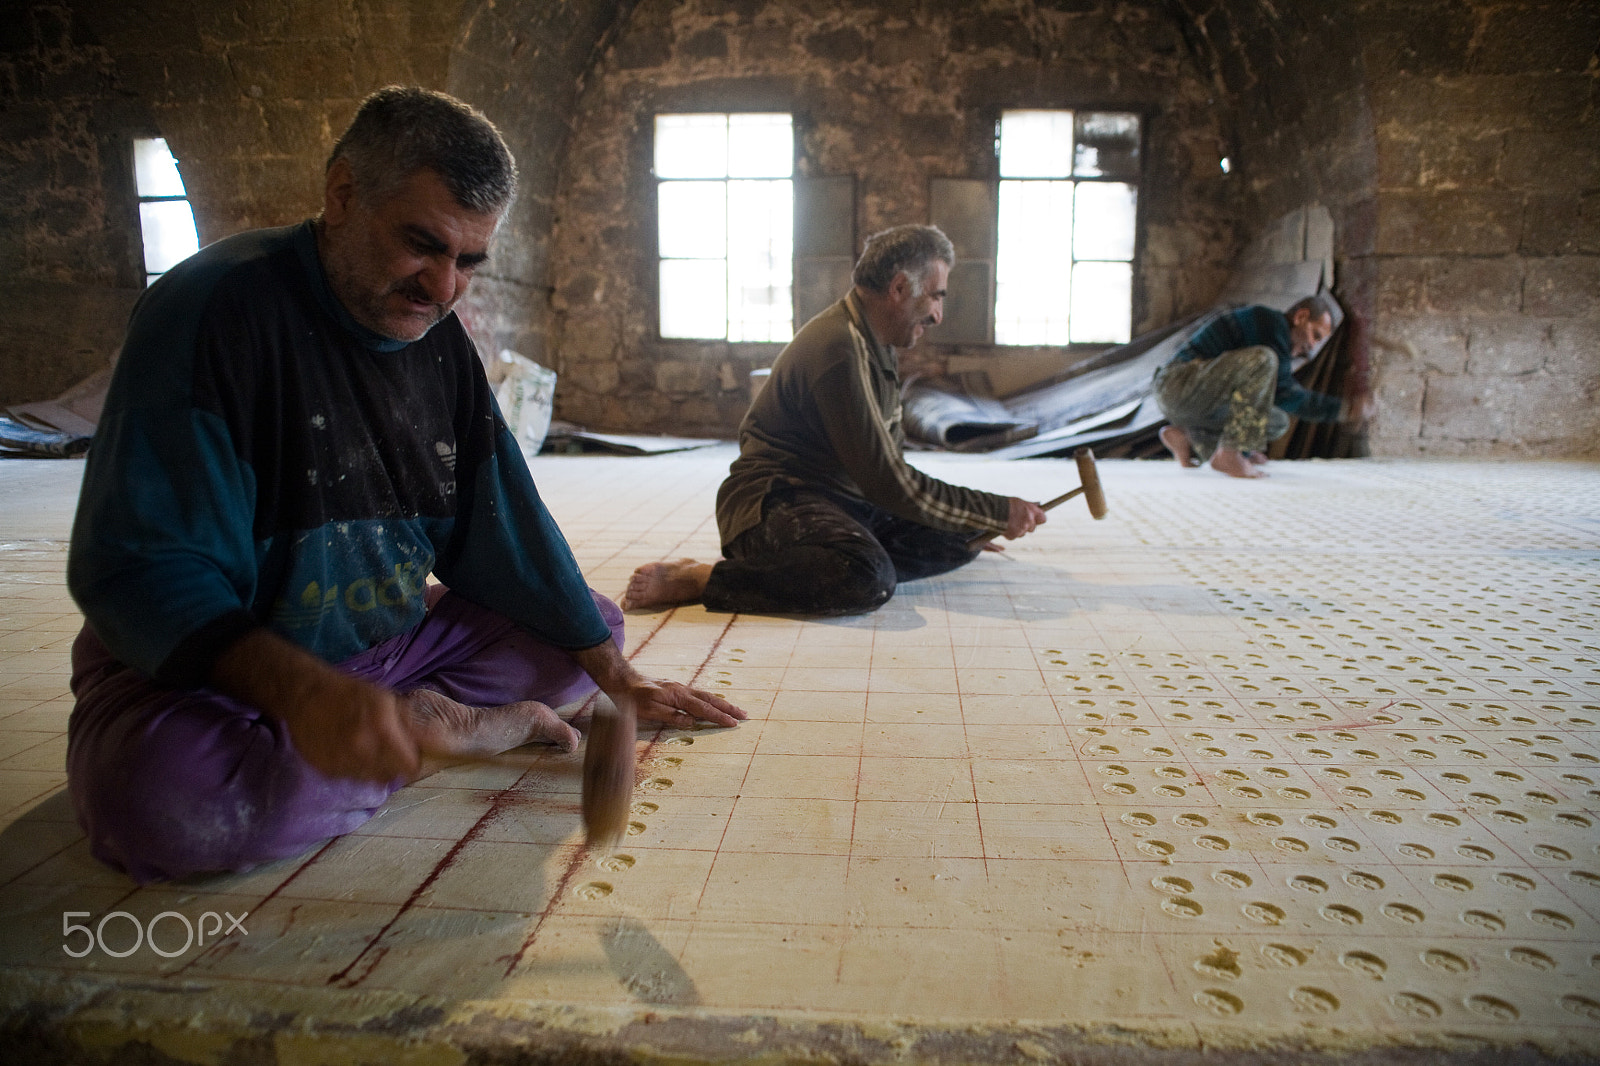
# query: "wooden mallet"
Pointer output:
{"type": "Point", "coordinates": [608, 770]}
{"type": "Point", "coordinates": [608, 764]}
{"type": "Point", "coordinates": [1089, 488]}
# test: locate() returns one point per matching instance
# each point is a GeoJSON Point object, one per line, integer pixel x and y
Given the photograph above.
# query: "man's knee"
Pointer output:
{"type": "Point", "coordinates": [614, 618]}
{"type": "Point", "coordinates": [175, 784]}
{"type": "Point", "coordinates": [856, 582]}
{"type": "Point", "coordinates": [1256, 364]}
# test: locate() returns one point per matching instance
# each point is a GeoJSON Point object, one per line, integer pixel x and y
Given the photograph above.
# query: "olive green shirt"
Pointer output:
{"type": "Point", "coordinates": [829, 418]}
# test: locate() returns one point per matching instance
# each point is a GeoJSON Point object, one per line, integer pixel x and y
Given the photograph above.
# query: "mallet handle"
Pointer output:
{"type": "Point", "coordinates": [1091, 485]}
{"type": "Point", "coordinates": [983, 538]}
{"type": "Point", "coordinates": [1063, 498]}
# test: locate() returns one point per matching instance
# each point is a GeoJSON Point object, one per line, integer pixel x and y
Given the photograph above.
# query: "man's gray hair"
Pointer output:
{"type": "Point", "coordinates": [400, 130]}
{"type": "Point", "coordinates": [1320, 306]}
{"type": "Point", "coordinates": [908, 248]}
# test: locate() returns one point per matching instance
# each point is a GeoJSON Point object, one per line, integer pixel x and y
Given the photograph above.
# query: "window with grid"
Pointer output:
{"type": "Point", "coordinates": [1065, 238]}
{"type": "Point", "coordinates": [166, 221]}
{"type": "Point", "coordinates": [725, 236]}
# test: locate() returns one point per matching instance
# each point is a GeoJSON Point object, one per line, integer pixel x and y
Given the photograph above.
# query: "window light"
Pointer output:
{"type": "Point", "coordinates": [166, 220]}
{"type": "Point", "coordinates": [1068, 202]}
{"type": "Point", "coordinates": [725, 234]}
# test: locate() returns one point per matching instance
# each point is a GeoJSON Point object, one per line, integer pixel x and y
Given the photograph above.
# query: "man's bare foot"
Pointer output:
{"type": "Point", "coordinates": [1177, 442]}
{"type": "Point", "coordinates": [1229, 461]}
{"type": "Point", "coordinates": [666, 584]}
{"type": "Point", "coordinates": [1257, 458]}
{"type": "Point", "coordinates": [444, 728]}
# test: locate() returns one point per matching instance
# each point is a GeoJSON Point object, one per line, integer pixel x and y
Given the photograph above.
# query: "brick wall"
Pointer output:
{"type": "Point", "coordinates": [249, 95]}
{"type": "Point", "coordinates": [1454, 143]}
{"type": "Point", "coordinates": [893, 94]}
{"type": "Point", "coordinates": [1488, 227]}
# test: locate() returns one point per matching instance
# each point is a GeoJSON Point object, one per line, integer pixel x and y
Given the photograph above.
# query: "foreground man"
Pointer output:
{"type": "Point", "coordinates": [821, 514]}
{"type": "Point", "coordinates": [1231, 388]}
{"type": "Point", "coordinates": [298, 433]}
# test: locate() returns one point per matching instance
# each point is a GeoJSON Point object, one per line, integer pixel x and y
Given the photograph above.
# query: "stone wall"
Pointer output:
{"type": "Point", "coordinates": [1487, 118]}
{"type": "Point", "coordinates": [1454, 143]}
{"type": "Point", "coordinates": [69, 267]}
{"type": "Point", "coordinates": [249, 95]}
{"type": "Point", "coordinates": [893, 94]}
{"type": "Point", "coordinates": [524, 62]}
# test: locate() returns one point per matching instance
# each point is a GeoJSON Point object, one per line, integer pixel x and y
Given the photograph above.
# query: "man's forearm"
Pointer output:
{"type": "Point", "coordinates": [605, 664]}
{"type": "Point", "coordinates": [343, 726]}
{"type": "Point", "coordinates": [270, 673]}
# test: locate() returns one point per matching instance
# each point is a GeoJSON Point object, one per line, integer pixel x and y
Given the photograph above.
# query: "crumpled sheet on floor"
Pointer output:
{"type": "Point", "coordinates": [1107, 400]}
{"type": "Point", "coordinates": [54, 429]}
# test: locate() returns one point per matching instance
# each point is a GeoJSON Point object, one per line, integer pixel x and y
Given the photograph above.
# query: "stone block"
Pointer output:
{"type": "Point", "coordinates": [56, 333]}
{"type": "Point", "coordinates": [579, 407]}
{"type": "Point", "coordinates": [1457, 103]}
{"type": "Point", "coordinates": [1465, 160]}
{"type": "Point", "coordinates": [1400, 392]}
{"type": "Point", "coordinates": [638, 373]}
{"type": "Point", "coordinates": [1556, 101]}
{"type": "Point", "coordinates": [1527, 414]}
{"type": "Point", "coordinates": [1475, 286]}
{"type": "Point", "coordinates": [639, 50]}
{"type": "Point", "coordinates": [1509, 347]}
{"type": "Point", "coordinates": [588, 338]}
{"type": "Point", "coordinates": [1537, 37]}
{"type": "Point", "coordinates": [600, 378]}
{"type": "Point", "coordinates": [680, 377]}
{"type": "Point", "coordinates": [843, 45]}
{"type": "Point", "coordinates": [1565, 286]}
{"type": "Point", "coordinates": [294, 71]}
{"type": "Point", "coordinates": [1416, 39]}
{"type": "Point", "coordinates": [710, 43]}
{"type": "Point", "coordinates": [1399, 159]}
{"type": "Point", "coordinates": [909, 44]}
{"type": "Point", "coordinates": [1561, 224]}
{"type": "Point", "coordinates": [929, 134]}
{"type": "Point", "coordinates": [1449, 222]}
{"type": "Point", "coordinates": [1576, 347]}
{"type": "Point", "coordinates": [1402, 286]}
{"type": "Point", "coordinates": [763, 43]}
{"type": "Point", "coordinates": [637, 413]}
{"type": "Point", "coordinates": [1553, 161]}
{"type": "Point", "coordinates": [699, 417]}
{"type": "Point", "coordinates": [1419, 344]}
{"type": "Point", "coordinates": [583, 287]}
{"type": "Point", "coordinates": [976, 31]}
{"type": "Point", "coordinates": [297, 127]}
{"type": "Point", "coordinates": [1162, 246]}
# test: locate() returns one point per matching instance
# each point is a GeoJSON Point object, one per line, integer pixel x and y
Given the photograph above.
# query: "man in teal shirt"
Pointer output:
{"type": "Point", "coordinates": [1231, 388]}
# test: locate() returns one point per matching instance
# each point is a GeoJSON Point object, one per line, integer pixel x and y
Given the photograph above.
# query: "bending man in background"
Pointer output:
{"type": "Point", "coordinates": [820, 513]}
{"type": "Point", "coordinates": [1231, 388]}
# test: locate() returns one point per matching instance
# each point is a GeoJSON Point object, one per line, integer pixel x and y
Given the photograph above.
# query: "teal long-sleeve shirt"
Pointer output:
{"type": "Point", "coordinates": [1246, 327]}
{"type": "Point", "coordinates": [263, 460]}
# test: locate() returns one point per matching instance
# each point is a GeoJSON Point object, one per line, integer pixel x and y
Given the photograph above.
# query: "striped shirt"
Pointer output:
{"type": "Point", "coordinates": [829, 418]}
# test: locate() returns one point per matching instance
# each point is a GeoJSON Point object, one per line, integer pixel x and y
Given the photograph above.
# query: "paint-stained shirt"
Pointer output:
{"type": "Point", "coordinates": [829, 418]}
{"type": "Point", "coordinates": [264, 460]}
{"type": "Point", "coordinates": [1247, 327]}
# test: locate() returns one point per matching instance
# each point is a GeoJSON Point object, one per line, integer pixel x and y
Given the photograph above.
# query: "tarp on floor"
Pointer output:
{"type": "Point", "coordinates": [1107, 400]}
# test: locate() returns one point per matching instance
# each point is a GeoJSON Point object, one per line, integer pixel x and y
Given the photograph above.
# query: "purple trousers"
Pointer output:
{"type": "Point", "coordinates": [170, 782]}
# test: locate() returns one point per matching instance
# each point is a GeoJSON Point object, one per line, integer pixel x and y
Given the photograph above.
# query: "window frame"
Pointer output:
{"type": "Point", "coordinates": [656, 181]}
{"type": "Point", "coordinates": [140, 199]}
{"type": "Point", "coordinates": [1136, 181]}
